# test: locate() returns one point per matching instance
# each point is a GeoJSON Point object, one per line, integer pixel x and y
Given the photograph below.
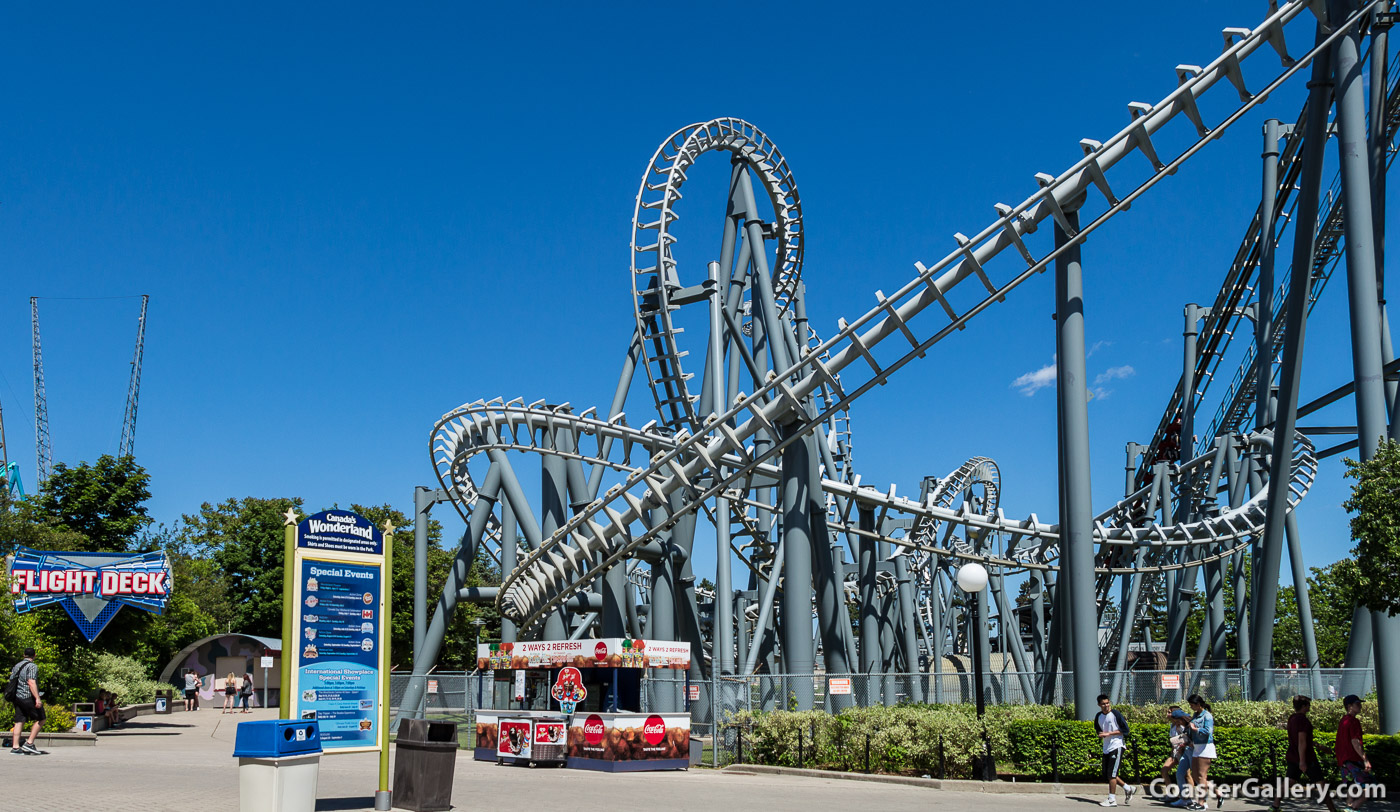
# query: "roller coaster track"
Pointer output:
{"type": "Point", "coordinates": [698, 466]}
{"type": "Point", "coordinates": [1226, 316]}
{"type": "Point", "coordinates": [654, 274]}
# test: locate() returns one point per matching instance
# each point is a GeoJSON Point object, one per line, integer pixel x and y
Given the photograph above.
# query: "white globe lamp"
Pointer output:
{"type": "Point", "coordinates": [972, 577]}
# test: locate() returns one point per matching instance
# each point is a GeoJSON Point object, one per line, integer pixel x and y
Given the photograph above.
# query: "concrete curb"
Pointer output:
{"type": "Point", "coordinates": [955, 785]}
{"type": "Point", "coordinates": [46, 740]}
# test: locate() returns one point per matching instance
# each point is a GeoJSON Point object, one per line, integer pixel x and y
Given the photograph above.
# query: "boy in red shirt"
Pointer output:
{"type": "Point", "coordinates": [1351, 755]}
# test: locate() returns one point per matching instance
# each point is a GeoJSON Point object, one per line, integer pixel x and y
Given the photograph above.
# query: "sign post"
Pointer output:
{"type": "Point", "coordinates": [336, 630]}
{"type": "Point", "coordinates": [266, 664]}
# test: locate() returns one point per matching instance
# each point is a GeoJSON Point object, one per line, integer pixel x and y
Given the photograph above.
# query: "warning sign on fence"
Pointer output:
{"type": "Point", "coordinates": [695, 693]}
{"type": "Point", "coordinates": [840, 686]}
{"type": "Point", "coordinates": [432, 686]}
{"type": "Point", "coordinates": [1171, 682]}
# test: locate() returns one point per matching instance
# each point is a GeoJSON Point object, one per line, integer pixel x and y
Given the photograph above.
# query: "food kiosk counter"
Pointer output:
{"type": "Point", "coordinates": [629, 742]}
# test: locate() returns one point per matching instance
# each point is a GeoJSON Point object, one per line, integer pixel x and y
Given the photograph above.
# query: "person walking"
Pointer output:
{"type": "Point", "coordinates": [1181, 744]}
{"type": "Point", "coordinates": [1202, 727]}
{"type": "Point", "coordinates": [191, 690]}
{"type": "Point", "coordinates": [230, 691]}
{"type": "Point", "coordinates": [245, 692]}
{"type": "Point", "coordinates": [1113, 732]}
{"type": "Point", "coordinates": [1301, 757]}
{"type": "Point", "coordinates": [1351, 752]}
{"type": "Point", "coordinates": [28, 702]}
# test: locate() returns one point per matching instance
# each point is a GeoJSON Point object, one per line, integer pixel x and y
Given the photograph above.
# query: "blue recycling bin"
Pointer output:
{"type": "Point", "coordinates": [279, 762]}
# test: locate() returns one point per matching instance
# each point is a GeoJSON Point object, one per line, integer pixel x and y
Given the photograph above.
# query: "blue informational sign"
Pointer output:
{"type": "Point", "coordinates": [339, 629]}
{"type": "Point", "coordinates": [340, 531]}
{"type": "Point", "coordinates": [91, 587]}
{"type": "Point", "coordinates": [338, 652]}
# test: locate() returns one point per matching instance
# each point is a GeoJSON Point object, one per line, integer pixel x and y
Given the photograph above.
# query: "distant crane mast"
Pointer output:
{"type": "Point", "coordinates": [133, 389]}
{"type": "Point", "coordinates": [43, 449]}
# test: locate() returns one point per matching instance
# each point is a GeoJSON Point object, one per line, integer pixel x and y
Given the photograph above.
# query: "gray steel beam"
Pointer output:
{"type": "Point", "coordinates": [1077, 524]}
{"type": "Point", "coordinates": [554, 499]}
{"type": "Point", "coordinates": [1364, 306]}
{"type": "Point", "coordinates": [1266, 570]}
{"type": "Point", "coordinates": [1264, 287]}
{"type": "Point", "coordinates": [1011, 629]}
{"type": "Point", "coordinates": [421, 505]}
{"type": "Point", "coordinates": [798, 653]}
{"type": "Point", "coordinates": [905, 594]}
{"type": "Point", "coordinates": [1305, 616]}
{"type": "Point", "coordinates": [411, 706]}
{"type": "Point", "coordinates": [510, 549]}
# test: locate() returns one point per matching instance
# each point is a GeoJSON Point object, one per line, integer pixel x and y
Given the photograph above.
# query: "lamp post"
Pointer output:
{"type": "Point", "coordinates": [972, 579]}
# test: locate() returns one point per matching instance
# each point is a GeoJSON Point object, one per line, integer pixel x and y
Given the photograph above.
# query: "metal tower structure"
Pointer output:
{"type": "Point", "coordinates": [43, 449]}
{"type": "Point", "coordinates": [752, 434]}
{"type": "Point", "coordinates": [133, 390]}
{"type": "Point", "coordinates": [10, 482]}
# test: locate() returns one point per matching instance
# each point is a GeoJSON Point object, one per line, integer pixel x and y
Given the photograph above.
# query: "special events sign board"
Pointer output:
{"type": "Point", "coordinates": [338, 628]}
{"type": "Point", "coordinates": [91, 587]}
{"type": "Point", "coordinates": [608, 652]}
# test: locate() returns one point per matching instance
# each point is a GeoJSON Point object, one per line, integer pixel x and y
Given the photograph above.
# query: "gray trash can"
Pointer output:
{"type": "Point", "coordinates": [164, 701]}
{"type": "Point", "coordinates": [425, 757]}
{"type": "Point", "coordinates": [278, 764]}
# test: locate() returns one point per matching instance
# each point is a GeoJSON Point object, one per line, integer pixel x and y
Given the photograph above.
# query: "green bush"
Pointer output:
{"type": "Point", "coordinates": [920, 739]}
{"type": "Point", "coordinates": [126, 678]}
{"type": "Point", "coordinates": [904, 739]}
{"type": "Point", "coordinates": [57, 719]}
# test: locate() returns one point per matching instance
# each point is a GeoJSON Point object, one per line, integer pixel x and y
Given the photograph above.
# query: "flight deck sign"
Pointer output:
{"type": "Point", "coordinates": [338, 628]}
{"type": "Point", "coordinates": [91, 587]}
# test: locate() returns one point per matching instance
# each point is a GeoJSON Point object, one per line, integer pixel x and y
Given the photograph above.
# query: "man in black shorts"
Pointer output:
{"type": "Point", "coordinates": [28, 706]}
{"type": "Point", "coordinates": [1113, 732]}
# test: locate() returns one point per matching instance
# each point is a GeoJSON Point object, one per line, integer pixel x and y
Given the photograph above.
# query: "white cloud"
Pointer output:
{"type": "Point", "coordinates": [1098, 345]}
{"type": "Point", "coordinates": [1099, 393]}
{"type": "Point", "coordinates": [1033, 382]}
{"type": "Point", "coordinates": [1115, 373]}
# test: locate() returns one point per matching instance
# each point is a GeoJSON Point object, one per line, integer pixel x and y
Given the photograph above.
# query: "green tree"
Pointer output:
{"type": "Point", "coordinates": [1332, 591]}
{"type": "Point", "coordinates": [1375, 499]}
{"type": "Point", "coordinates": [244, 540]}
{"type": "Point", "coordinates": [104, 502]}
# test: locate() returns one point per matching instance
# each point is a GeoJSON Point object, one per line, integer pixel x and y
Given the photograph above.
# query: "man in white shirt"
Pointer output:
{"type": "Point", "coordinates": [1113, 732]}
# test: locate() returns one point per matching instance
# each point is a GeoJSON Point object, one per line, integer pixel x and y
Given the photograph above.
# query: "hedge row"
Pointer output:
{"type": "Point", "coordinates": [1242, 752]}
{"type": "Point", "coordinates": [943, 739]}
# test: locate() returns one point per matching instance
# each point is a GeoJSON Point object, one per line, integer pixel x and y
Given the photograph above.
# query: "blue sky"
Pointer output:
{"type": "Point", "coordinates": [352, 218]}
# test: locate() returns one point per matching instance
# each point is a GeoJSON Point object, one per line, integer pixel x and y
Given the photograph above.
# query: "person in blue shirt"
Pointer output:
{"type": "Point", "coordinates": [1179, 736]}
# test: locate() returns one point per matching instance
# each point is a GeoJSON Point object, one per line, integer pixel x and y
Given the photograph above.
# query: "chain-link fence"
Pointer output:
{"type": "Point", "coordinates": [457, 696]}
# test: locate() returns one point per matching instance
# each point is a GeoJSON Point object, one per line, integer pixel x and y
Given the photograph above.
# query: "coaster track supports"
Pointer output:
{"type": "Point", "coordinates": [1077, 540]}
{"type": "Point", "coordinates": [1266, 565]}
{"type": "Point", "coordinates": [1363, 299]}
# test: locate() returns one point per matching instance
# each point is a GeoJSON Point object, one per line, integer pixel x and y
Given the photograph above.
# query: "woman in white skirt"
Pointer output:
{"type": "Point", "coordinates": [1202, 727]}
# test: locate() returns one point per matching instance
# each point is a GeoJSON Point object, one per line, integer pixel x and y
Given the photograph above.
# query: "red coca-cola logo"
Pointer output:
{"type": "Point", "coordinates": [654, 730]}
{"type": "Point", "coordinates": [593, 729]}
{"type": "Point", "coordinates": [600, 651]}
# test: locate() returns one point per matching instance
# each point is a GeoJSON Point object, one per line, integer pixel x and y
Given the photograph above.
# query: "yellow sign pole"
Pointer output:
{"type": "Point", "coordinates": [383, 798]}
{"type": "Point", "coordinates": [289, 645]}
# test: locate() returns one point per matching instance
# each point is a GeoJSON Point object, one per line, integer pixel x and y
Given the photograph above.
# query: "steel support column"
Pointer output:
{"type": "Point", "coordinates": [1077, 524]}
{"type": "Point", "coordinates": [1267, 563]}
{"type": "Point", "coordinates": [1364, 307]}
{"type": "Point", "coordinates": [798, 653]}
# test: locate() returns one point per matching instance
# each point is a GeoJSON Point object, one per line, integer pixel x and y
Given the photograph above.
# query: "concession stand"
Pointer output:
{"type": "Point", "coordinates": [592, 687]}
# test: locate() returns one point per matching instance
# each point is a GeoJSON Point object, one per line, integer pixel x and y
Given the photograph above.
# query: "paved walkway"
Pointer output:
{"type": "Point", "coordinates": [183, 762]}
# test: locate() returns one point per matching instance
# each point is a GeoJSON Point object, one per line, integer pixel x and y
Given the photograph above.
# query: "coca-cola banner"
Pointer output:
{"type": "Point", "coordinates": [609, 652]}
{"type": "Point", "coordinates": [629, 737]}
